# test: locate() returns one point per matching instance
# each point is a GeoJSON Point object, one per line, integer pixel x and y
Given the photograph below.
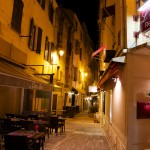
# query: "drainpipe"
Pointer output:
{"type": "Point", "coordinates": [124, 24]}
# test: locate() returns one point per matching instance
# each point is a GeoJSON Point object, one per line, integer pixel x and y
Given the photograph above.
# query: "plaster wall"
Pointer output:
{"type": "Point", "coordinates": [138, 83]}
{"type": "Point", "coordinates": [9, 100]}
{"type": "Point", "coordinates": [118, 108]}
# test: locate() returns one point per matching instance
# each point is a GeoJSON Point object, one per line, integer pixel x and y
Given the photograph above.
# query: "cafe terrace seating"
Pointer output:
{"type": "Point", "coordinates": [27, 125]}
{"type": "Point", "coordinates": [62, 123]}
{"type": "Point", "coordinates": [6, 126]}
{"type": "Point", "coordinates": [31, 122]}
{"type": "Point", "coordinates": [24, 117]}
{"type": "Point", "coordinates": [10, 115]}
{"type": "Point", "coordinates": [54, 124]}
{"type": "Point", "coordinates": [47, 120]}
{"type": "Point", "coordinates": [18, 143]}
{"type": "Point", "coordinates": [33, 117]}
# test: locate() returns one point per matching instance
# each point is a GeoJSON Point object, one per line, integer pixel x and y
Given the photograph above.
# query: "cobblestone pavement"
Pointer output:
{"type": "Point", "coordinates": [81, 134]}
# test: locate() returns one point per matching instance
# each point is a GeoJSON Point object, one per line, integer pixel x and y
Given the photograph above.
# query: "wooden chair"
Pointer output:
{"type": "Point", "coordinates": [10, 115]}
{"type": "Point", "coordinates": [18, 143]}
{"type": "Point", "coordinates": [47, 120]}
{"type": "Point", "coordinates": [33, 117]}
{"type": "Point", "coordinates": [54, 124]}
{"type": "Point", "coordinates": [25, 117]}
{"type": "Point", "coordinates": [62, 123]}
{"type": "Point", "coordinates": [6, 126]}
{"type": "Point", "coordinates": [27, 124]}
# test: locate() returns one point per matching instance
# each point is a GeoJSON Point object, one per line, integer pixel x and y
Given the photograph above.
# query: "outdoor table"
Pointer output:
{"type": "Point", "coordinates": [31, 135]}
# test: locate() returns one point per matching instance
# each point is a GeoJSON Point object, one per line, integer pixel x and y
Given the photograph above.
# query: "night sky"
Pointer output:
{"type": "Point", "coordinates": [87, 11]}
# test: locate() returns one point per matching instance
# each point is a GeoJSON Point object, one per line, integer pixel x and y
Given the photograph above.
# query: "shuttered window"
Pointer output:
{"type": "Point", "coordinates": [46, 51]}
{"type": "Point", "coordinates": [51, 11]}
{"type": "Point", "coordinates": [32, 35]}
{"type": "Point", "coordinates": [35, 37]}
{"type": "Point", "coordinates": [39, 40]}
{"type": "Point", "coordinates": [75, 73]}
{"type": "Point", "coordinates": [67, 76]}
{"type": "Point", "coordinates": [77, 47]}
{"type": "Point", "coordinates": [80, 53]}
{"type": "Point", "coordinates": [17, 15]}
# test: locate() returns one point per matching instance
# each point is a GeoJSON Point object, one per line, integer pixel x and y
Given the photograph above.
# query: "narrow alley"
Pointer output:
{"type": "Point", "coordinates": [81, 134]}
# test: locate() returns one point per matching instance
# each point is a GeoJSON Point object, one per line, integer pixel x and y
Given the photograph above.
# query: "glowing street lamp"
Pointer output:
{"type": "Point", "coordinates": [61, 52]}
{"type": "Point", "coordinates": [85, 74]}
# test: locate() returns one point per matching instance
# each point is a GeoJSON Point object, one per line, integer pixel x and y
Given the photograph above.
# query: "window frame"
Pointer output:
{"type": "Point", "coordinates": [17, 15]}
{"type": "Point", "coordinates": [35, 37]}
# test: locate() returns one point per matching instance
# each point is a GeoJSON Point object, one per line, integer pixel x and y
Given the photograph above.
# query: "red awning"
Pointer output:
{"type": "Point", "coordinates": [97, 51]}
{"type": "Point", "coordinates": [113, 69]}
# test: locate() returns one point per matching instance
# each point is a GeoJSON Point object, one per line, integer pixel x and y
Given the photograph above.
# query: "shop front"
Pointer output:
{"type": "Point", "coordinates": [124, 101]}
{"type": "Point", "coordinates": [21, 91]}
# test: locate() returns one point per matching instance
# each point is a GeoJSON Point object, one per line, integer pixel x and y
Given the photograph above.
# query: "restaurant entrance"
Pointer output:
{"type": "Point", "coordinates": [37, 100]}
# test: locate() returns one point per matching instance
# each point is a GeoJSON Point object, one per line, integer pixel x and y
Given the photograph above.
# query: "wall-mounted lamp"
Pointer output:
{"type": "Point", "coordinates": [85, 74]}
{"type": "Point", "coordinates": [61, 52]}
{"type": "Point", "coordinates": [71, 92]}
{"type": "Point", "coordinates": [115, 79]}
{"type": "Point", "coordinates": [125, 50]}
{"type": "Point", "coordinates": [88, 98]}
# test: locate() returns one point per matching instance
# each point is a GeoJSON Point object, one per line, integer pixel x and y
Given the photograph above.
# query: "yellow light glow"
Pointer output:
{"type": "Point", "coordinates": [54, 58]}
{"type": "Point", "coordinates": [85, 74]}
{"type": "Point", "coordinates": [61, 52]}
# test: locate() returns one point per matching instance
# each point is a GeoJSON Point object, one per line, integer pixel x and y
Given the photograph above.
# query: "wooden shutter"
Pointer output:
{"type": "Point", "coordinates": [75, 73]}
{"type": "Point", "coordinates": [51, 11]}
{"type": "Point", "coordinates": [80, 53]}
{"type": "Point", "coordinates": [51, 78]}
{"type": "Point", "coordinates": [46, 51]}
{"type": "Point", "coordinates": [17, 15]}
{"type": "Point", "coordinates": [43, 4]}
{"type": "Point", "coordinates": [39, 39]}
{"type": "Point", "coordinates": [31, 35]}
{"type": "Point", "coordinates": [77, 47]}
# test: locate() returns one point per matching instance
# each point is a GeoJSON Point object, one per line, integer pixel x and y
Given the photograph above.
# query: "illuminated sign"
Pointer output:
{"type": "Point", "coordinates": [145, 17]}
{"type": "Point", "coordinates": [93, 89]}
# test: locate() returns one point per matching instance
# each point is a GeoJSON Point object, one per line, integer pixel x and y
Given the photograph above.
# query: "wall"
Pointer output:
{"type": "Point", "coordinates": [138, 129]}
{"type": "Point", "coordinates": [115, 129]}
{"type": "Point", "coordinates": [9, 100]}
